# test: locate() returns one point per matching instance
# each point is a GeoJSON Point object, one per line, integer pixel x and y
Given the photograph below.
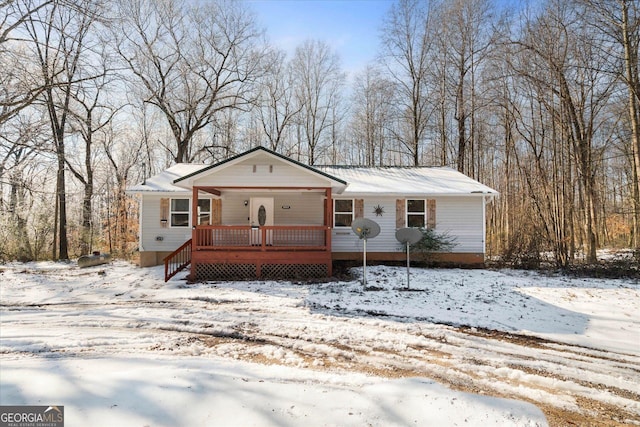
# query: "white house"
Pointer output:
{"type": "Point", "coordinates": [261, 214]}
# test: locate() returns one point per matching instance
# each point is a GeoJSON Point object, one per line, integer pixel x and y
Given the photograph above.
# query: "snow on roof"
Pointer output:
{"type": "Point", "coordinates": [406, 181]}
{"type": "Point", "coordinates": [163, 182]}
{"type": "Point", "coordinates": [417, 181]}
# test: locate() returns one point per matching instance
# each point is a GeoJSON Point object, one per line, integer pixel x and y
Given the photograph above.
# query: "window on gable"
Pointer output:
{"type": "Point", "coordinates": [342, 212]}
{"type": "Point", "coordinates": [179, 212]}
{"type": "Point", "coordinates": [416, 213]}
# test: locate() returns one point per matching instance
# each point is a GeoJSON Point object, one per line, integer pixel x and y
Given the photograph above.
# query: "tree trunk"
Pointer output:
{"type": "Point", "coordinates": [633, 83]}
{"type": "Point", "coordinates": [63, 246]}
{"type": "Point", "coordinates": [461, 119]}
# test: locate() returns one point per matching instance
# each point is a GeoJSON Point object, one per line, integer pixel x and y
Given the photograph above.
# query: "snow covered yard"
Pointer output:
{"type": "Point", "coordinates": [117, 346]}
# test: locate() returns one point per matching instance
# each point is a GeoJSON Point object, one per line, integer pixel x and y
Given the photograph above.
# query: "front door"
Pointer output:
{"type": "Point", "coordinates": [261, 215]}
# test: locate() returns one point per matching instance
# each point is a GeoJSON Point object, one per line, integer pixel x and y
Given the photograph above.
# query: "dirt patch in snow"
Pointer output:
{"type": "Point", "coordinates": [590, 412]}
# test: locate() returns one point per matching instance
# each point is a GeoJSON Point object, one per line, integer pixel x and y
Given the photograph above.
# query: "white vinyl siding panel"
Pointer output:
{"type": "Point", "coordinates": [304, 209]}
{"type": "Point", "coordinates": [269, 172]}
{"type": "Point", "coordinates": [151, 228]}
{"type": "Point", "coordinates": [461, 217]}
{"type": "Point", "coordinates": [344, 240]}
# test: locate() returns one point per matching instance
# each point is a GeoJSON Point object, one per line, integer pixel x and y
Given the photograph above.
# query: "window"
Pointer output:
{"type": "Point", "coordinates": [204, 211]}
{"type": "Point", "coordinates": [179, 212]}
{"type": "Point", "coordinates": [416, 213]}
{"type": "Point", "coordinates": [343, 212]}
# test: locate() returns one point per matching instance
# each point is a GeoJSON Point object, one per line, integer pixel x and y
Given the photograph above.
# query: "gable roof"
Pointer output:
{"type": "Point", "coordinates": [408, 181]}
{"type": "Point", "coordinates": [253, 151]}
{"type": "Point", "coordinates": [359, 180]}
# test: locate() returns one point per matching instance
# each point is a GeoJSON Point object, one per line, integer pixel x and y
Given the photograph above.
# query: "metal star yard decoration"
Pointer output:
{"type": "Point", "coordinates": [378, 210]}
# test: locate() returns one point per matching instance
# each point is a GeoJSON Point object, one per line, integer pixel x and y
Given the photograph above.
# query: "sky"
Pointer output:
{"type": "Point", "coordinates": [350, 27]}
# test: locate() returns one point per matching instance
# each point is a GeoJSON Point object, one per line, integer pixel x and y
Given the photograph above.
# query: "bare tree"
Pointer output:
{"type": "Point", "coordinates": [318, 80]}
{"type": "Point", "coordinates": [57, 36]}
{"type": "Point", "coordinates": [373, 96]}
{"type": "Point", "coordinates": [465, 38]}
{"type": "Point", "coordinates": [18, 88]}
{"type": "Point", "coordinates": [124, 151]}
{"type": "Point", "coordinates": [190, 61]}
{"type": "Point", "coordinates": [407, 42]}
{"type": "Point", "coordinates": [575, 91]}
{"type": "Point", "coordinates": [20, 142]}
{"type": "Point", "coordinates": [90, 115]}
{"type": "Point", "coordinates": [277, 102]}
{"type": "Point", "coordinates": [619, 22]}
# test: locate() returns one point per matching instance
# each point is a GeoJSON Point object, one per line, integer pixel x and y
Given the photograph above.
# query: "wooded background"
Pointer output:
{"type": "Point", "coordinates": [542, 104]}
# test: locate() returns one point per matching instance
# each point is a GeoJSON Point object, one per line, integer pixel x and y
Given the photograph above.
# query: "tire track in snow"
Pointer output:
{"type": "Point", "coordinates": [446, 362]}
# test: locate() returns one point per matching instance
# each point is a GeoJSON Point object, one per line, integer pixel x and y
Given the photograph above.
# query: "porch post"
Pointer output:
{"type": "Point", "coordinates": [194, 209]}
{"type": "Point", "coordinates": [328, 222]}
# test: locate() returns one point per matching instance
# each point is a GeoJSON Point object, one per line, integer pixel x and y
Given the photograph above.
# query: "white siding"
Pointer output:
{"type": "Point", "coordinates": [304, 209]}
{"type": "Point", "coordinates": [234, 212]}
{"type": "Point", "coordinates": [461, 217]}
{"type": "Point", "coordinates": [172, 238]}
{"type": "Point", "coordinates": [344, 240]}
{"type": "Point", "coordinates": [269, 172]}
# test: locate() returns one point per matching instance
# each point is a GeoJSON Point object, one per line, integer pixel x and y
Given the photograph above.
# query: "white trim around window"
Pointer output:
{"type": "Point", "coordinates": [343, 212]}
{"type": "Point", "coordinates": [179, 212]}
{"type": "Point", "coordinates": [416, 213]}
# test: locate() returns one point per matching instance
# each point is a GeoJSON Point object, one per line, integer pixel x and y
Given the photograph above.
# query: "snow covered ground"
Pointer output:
{"type": "Point", "coordinates": [117, 346]}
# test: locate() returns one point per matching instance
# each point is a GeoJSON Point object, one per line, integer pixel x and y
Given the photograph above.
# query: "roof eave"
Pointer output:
{"type": "Point", "coordinates": [405, 195]}
{"type": "Point", "coordinates": [159, 192]}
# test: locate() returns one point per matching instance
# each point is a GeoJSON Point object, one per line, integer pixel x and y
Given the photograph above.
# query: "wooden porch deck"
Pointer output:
{"type": "Point", "coordinates": [232, 251]}
{"type": "Point", "coordinates": [263, 239]}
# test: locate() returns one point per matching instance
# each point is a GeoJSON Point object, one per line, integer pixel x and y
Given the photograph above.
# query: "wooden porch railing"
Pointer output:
{"type": "Point", "coordinates": [265, 238]}
{"type": "Point", "coordinates": [177, 261]}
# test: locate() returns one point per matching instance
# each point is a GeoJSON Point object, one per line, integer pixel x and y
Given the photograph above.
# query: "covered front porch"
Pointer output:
{"type": "Point", "coordinates": [257, 232]}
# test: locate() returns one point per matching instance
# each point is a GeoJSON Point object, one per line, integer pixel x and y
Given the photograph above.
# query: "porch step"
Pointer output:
{"type": "Point", "coordinates": [177, 261]}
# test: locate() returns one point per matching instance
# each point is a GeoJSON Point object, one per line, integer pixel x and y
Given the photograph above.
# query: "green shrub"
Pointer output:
{"type": "Point", "coordinates": [434, 242]}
